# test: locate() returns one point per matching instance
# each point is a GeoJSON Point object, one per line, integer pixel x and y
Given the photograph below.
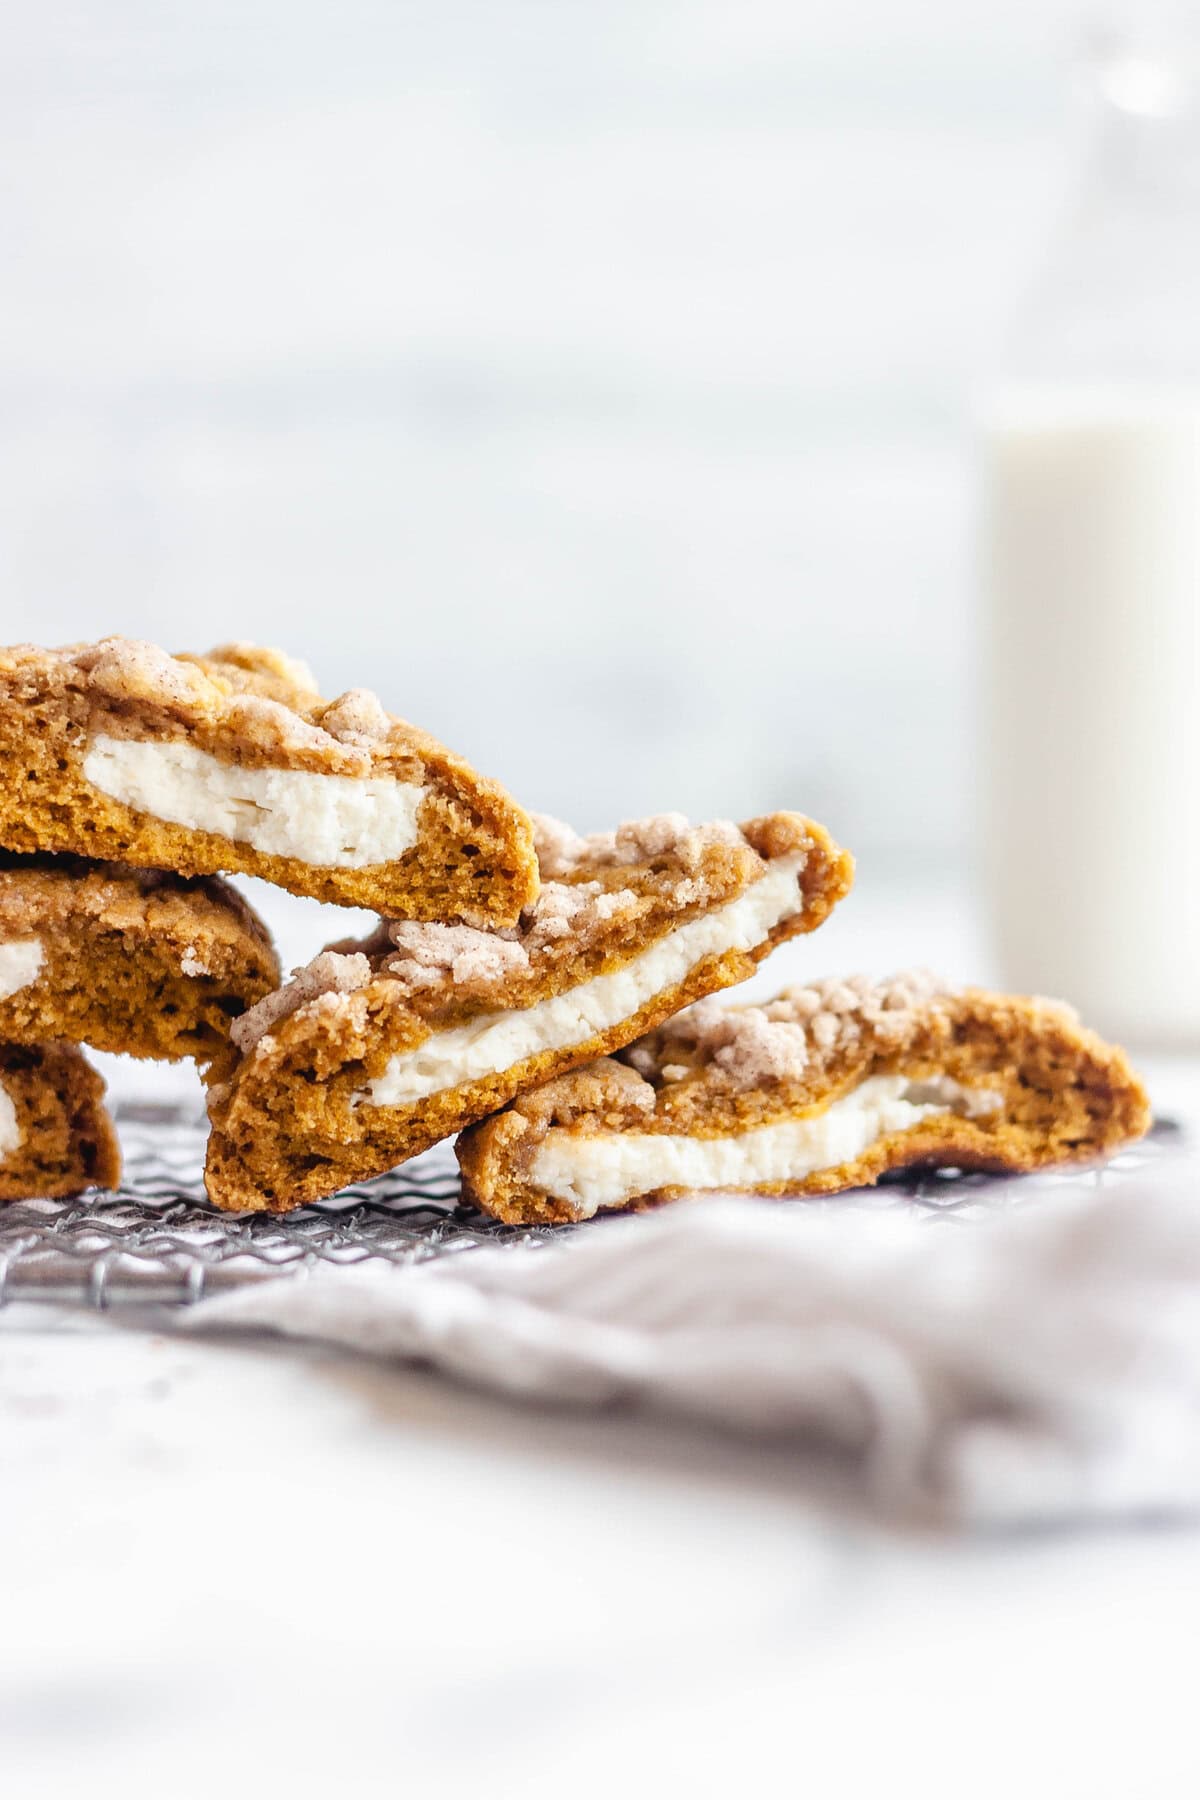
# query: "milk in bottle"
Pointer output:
{"type": "Point", "coordinates": [1090, 570]}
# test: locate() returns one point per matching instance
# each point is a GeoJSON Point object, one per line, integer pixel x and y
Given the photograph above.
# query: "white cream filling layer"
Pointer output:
{"type": "Point", "coordinates": [500, 1040]}
{"type": "Point", "coordinates": [19, 965]}
{"type": "Point", "coordinates": [612, 1168]}
{"type": "Point", "coordinates": [10, 1131]}
{"type": "Point", "coordinates": [331, 821]}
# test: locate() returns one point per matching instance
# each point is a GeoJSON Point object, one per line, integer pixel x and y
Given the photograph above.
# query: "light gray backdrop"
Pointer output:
{"type": "Point", "coordinates": [590, 376]}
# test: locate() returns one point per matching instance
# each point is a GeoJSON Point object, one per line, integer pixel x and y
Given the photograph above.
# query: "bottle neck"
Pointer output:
{"type": "Point", "coordinates": [1145, 94]}
{"type": "Point", "coordinates": [1117, 298]}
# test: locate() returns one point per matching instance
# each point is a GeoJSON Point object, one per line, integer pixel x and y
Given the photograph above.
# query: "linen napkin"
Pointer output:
{"type": "Point", "coordinates": [1036, 1366]}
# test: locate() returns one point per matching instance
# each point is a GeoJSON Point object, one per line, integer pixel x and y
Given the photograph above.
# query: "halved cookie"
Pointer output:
{"type": "Point", "coordinates": [234, 762]}
{"type": "Point", "coordinates": [377, 1050]}
{"type": "Point", "coordinates": [56, 1138]}
{"type": "Point", "coordinates": [131, 960]}
{"type": "Point", "coordinates": [825, 1088]}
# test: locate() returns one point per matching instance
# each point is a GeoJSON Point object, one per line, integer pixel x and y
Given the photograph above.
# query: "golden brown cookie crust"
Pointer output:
{"type": "Point", "coordinates": [252, 708]}
{"type": "Point", "coordinates": [135, 961]}
{"type": "Point", "coordinates": [287, 1128]}
{"type": "Point", "coordinates": [1067, 1096]}
{"type": "Point", "coordinates": [67, 1141]}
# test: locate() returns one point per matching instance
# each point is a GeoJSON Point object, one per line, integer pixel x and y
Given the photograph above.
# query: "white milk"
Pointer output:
{"type": "Point", "coordinates": [1092, 677]}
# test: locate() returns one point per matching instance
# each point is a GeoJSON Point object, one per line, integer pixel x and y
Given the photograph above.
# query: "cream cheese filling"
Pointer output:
{"type": "Point", "coordinates": [10, 1131]}
{"type": "Point", "coordinates": [330, 821]}
{"type": "Point", "coordinates": [612, 1168]}
{"type": "Point", "coordinates": [20, 963]}
{"type": "Point", "coordinates": [499, 1040]}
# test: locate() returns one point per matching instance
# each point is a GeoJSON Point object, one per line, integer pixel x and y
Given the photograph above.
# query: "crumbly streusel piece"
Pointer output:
{"type": "Point", "coordinates": [136, 961]}
{"type": "Point", "coordinates": [827, 1087]}
{"type": "Point", "coordinates": [377, 1050]}
{"type": "Point", "coordinates": [234, 762]}
{"type": "Point", "coordinates": [56, 1138]}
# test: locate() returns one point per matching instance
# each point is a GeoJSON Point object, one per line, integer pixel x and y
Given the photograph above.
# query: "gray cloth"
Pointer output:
{"type": "Point", "coordinates": [1042, 1365]}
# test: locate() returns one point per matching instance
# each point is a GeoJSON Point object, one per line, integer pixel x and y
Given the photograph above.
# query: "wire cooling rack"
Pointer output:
{"type": "Point", "coordinates": [155, 1240]}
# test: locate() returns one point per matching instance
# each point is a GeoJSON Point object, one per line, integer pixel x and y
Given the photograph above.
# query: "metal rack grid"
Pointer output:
{"type": "Point", "coordinates": [157, 1241]}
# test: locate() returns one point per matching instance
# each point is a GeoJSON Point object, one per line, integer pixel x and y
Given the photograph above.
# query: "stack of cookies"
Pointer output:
{"type": "Point", "coordinates": [544, 997]}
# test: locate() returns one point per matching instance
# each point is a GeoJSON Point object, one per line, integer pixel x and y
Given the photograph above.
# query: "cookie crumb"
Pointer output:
{"type": "Point", "coordinates": [750, 1046]}
{"type": "Point", "coordinates": [328, 973]}
{"type": "Point", "coordinates": [562, 851]}
{"type": "Point", "coordinates": [428, 955]}
{"type": "Point", "coordinates": [356, 717]}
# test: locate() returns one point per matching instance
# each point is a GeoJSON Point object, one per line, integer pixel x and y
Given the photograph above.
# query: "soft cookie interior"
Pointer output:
{"type": "Point", "coordinates": [133, 961]}
{"type": "Point", "coordinates": [56, 1138]}
{"type": "Point", "coordinates": [824, 1089]}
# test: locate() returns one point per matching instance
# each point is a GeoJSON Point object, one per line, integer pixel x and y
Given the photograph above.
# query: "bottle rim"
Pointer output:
{"type": "Point", "coordinates": [1144, 74]}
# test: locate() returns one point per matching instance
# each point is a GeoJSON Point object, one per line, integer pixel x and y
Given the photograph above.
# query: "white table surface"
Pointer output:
{"type": "Point", "coordinates": [236, 1565]}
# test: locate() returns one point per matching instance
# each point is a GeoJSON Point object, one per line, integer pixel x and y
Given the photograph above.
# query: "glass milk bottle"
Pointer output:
{"type": "Point", "coordinates": [1091, 570]}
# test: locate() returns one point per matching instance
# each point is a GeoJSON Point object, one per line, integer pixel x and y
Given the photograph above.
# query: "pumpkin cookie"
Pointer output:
{"type": "Point", "coordinates": [131, 960]}
{"type": "Point", "coordinates": [377, 1050]}
{"type": "Point", "coordinates": [234, 762]}
{"type": "Point", "coordinates": [56, 1138]}
{"type": "Point", "coordinates": [825, 1088]}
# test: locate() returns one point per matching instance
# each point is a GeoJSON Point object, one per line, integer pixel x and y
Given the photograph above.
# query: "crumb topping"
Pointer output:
{"type": "Point", "coordinates": [742, 1042]}
{"type": "Point", "coordinates": [122, 669]}
{"type": "Point", "coordinates": [751, 1046]}
{"type": "Point", "coordinates": [577, 910]}
{"type": "Point", "coordinates": [328, 974]}
{"type": "Point", "coordinates": [357, 717]}
{"type": "Point", "coordinates": [275, 727]}
{"type": "Point", "coordinates": [429, 956]}
{"type": "Point", "coordinates": [558, 845]}
{"type": "Point", "coordinates": [264, 696]}
{"type": "Point", "coordinates": [562, 852]}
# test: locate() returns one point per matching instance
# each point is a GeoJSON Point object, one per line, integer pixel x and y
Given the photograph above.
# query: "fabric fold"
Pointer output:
{"type": "Point", "coordinates": [1037, 1366]}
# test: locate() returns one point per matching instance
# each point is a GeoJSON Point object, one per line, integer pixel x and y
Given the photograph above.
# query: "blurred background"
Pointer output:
{"type": "Point", "coordinates": [589, 376]}
{"type": "Point", "coordinates": [602, 381]}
